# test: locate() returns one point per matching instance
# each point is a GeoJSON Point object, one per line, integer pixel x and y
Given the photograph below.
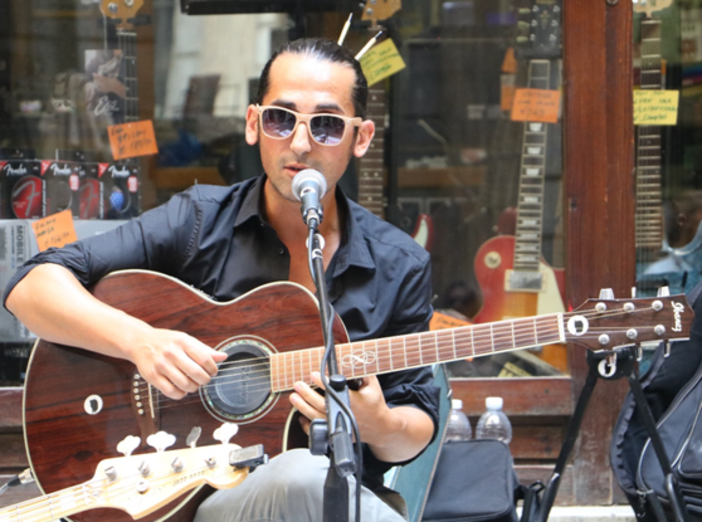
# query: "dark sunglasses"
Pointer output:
{"type": "Point", "coordinates": [326, 129]}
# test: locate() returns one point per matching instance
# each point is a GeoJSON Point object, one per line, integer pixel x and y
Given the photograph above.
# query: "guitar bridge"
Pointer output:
{"type": "Point", "coordinates": [143, 405]}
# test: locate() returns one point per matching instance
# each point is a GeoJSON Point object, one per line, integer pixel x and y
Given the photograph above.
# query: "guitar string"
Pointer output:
{"type": "Point", "coordinates": [416, 360]}
{"type": "Point", "coordinates": [264, 381]}
{"type": "Point", "coordinates": [53, 505]}
{"type": "Point", "coordinates": [386, 344]}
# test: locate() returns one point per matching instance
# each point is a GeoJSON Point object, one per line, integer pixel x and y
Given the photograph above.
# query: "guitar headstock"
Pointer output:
{"type": "Point", "coordinates": [375, 10]}
{"type": "Point", "coordinates": [141, 484]}
{"type": "Point", "coordinates": [651, 6]}
{"type": "Point", "coordinates": [122, 11]}
{"type": "Point", "coordinates": [539, 28]}
{"type": "Point", "coordinates": [603, 324]}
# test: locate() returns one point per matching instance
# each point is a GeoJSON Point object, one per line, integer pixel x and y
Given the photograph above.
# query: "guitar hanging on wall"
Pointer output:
{"type": "Point", "coordinates": [512, 274]}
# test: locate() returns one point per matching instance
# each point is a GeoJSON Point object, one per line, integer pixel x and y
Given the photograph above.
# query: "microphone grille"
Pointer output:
{"type": "Point", "coordinates": [308, 175]}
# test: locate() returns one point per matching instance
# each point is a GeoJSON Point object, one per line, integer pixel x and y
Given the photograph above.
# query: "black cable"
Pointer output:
{"type": "Point", "coordinates": [330, 390]}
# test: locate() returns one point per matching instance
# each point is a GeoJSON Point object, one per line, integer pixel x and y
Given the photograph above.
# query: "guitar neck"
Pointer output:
{"type": "Point", "coordinates": [649, 201]}
{"type": "Point", "coordinates": [54, 506]}
{"type": "Point", "coordinates": [528, 235]}
{"type": "Point", "coordinates": [370, 179]}
{"type": "Point", "coordinates": [378, 356]}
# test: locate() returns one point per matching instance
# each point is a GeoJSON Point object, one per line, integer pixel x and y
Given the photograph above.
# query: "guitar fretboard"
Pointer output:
{"type": "Point", "coordinates": [649, 204]}
{"type": "Point", "coordinates": [412, 351]}
{"type": "Point", "coordinates": [370, 178]}
{"type": "Point", "coordinates": [527, 248]}
{"type": "Point", "coordinates": [54, 506]}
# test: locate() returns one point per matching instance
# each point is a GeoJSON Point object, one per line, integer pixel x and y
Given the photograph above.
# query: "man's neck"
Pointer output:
{"type": "Point", "coordinates": [285, 216]}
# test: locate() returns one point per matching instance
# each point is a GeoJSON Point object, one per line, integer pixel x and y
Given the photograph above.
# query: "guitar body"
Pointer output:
{"type": "Point", "coordinates": [492, 262]}
{"type": "Point", "coordinates": [79, 405]}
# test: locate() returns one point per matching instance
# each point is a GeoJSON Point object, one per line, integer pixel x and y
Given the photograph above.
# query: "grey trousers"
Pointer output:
{"type": "Point", "coordinates": [290, 489]}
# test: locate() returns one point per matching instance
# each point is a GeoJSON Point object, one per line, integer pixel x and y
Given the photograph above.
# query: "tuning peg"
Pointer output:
{"type": "Point", "coordinates": [225, 432]}
{"type": "Point", "coordinates": [193, 436]}
{"type": "Point", "coordinates": [160, 441]}
{"type": "Point", "coordinates": [664, 291]}
{"type": "Point", "coordinates": [606, 293]}
{"type": "Point", "coordinates": [128, 445]}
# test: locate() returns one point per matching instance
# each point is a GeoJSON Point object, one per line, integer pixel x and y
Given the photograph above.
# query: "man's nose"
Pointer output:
{"type": "Point", "coordinates": [301, 140]}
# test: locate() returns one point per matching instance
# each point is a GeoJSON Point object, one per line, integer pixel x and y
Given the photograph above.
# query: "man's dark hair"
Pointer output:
{"type": "Point", "coordinates": [323, 49]}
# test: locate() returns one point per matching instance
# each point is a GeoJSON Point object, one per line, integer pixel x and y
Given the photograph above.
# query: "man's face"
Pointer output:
{"type": "Point", "coordinates": [310, 86]}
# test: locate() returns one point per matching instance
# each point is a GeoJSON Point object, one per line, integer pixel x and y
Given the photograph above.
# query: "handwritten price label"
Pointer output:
{"type": "Point", "coordinates": [55, 230]}
{"type": "Point", "coordinates": [130, 140]}
{"type": "Point", "coordinates": [653, 107]}
{"type": "Point", "coordinates": [536, 105]}
{"type": "Point", "coordinates": [381, 61]}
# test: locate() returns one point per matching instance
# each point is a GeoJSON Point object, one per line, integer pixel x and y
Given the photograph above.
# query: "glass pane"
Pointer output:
{"type": "Point", "coordinates": [472, 174]}
{"type": "Point", "coordinates": [667, 59]}
{"type": "Point", "coordinates": [486, 177]}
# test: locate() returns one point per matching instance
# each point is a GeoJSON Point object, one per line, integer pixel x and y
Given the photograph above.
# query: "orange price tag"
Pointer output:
{"type": "Point", "coordinates": [536, 105]}
{"type": "Point", "coordinates": [129, 140]}
{"type": "Point", "coordinates": [440, 320]}
{"type": "Point", "coordinates": [55, 230]}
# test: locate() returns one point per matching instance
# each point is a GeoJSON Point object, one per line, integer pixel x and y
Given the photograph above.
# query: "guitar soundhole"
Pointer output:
{"type": "Point", "coordinates": [241, 387]}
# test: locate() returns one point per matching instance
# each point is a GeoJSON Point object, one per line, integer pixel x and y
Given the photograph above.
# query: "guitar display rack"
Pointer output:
{"type": "Point", "coordinates": [613, 365]}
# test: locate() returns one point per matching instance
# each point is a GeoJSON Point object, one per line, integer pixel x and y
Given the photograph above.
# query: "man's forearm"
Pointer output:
{"type": "Point", "coordinates": [408, 432]}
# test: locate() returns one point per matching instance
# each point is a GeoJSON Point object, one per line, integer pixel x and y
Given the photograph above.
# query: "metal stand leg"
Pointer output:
{"type": "Point", "coordinates": [612, 366]}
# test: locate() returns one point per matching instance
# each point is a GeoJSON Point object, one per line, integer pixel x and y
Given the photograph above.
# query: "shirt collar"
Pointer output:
{"type": "Point", "coordinates": [353, 249]}
{"type": "Point", "coordinates": [250, 206]}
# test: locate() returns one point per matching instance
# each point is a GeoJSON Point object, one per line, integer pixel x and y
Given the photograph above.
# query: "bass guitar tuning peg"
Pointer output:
{"type": "Point", "coordinates": [225, 432]}
{"type": "Point", "coordinates": [160, 441]}
{"type": "Point", "coordinates": [128, 445]}
{"type": "Point", "coordinates": [193, 436]}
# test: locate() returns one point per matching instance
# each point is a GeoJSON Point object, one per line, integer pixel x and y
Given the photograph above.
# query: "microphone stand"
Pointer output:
{"type": "Point", "coordinates": [334, 436]}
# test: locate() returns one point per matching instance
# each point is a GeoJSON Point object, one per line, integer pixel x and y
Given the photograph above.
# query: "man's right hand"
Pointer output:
{"type": "Point", "coordinates": [174, 362]}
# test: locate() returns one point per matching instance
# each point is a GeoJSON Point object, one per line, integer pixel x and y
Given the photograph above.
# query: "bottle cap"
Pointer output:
{"type": "Point", "coordinates": [456, 404]}
{"type": "Point", "coordinates": [494, 403]}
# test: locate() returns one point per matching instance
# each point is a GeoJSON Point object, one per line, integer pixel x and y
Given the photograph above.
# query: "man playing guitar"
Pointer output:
{"type": "Point", "coordinates": [225, 241]}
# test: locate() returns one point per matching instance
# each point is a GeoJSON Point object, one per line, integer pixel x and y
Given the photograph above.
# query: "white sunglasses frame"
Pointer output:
{"type": "Point", "coordinates": [306, 118]}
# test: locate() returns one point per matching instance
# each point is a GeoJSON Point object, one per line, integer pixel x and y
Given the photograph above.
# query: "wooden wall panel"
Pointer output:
{"type": "Point", "coordinates": [599, 201]}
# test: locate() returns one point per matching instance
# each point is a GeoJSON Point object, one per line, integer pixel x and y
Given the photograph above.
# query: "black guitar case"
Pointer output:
{"type": "Point", "coordinates": [673, 388]}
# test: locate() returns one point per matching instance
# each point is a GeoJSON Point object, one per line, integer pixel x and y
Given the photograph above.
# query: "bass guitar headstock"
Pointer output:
{"type": "Point", "coordinates": [122, 12]}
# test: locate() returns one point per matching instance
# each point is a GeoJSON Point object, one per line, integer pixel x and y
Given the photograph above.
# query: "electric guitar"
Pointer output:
{"type": "Point", "coordinates": [510, 270]}
{"type": "Point", "coordinates": [273, 338]}
{"type": "Point", "coordinates": [139, 485]}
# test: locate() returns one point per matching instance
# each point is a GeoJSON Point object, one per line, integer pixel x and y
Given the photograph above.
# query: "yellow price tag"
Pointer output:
{"type": "Point", "coordinates": [381, 61]}
{"type": "Point", "coordinates": [652, 107]}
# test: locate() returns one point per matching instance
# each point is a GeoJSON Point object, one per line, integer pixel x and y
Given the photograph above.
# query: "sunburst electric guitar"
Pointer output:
{"type": "Point", "coordinates": [512, 274]}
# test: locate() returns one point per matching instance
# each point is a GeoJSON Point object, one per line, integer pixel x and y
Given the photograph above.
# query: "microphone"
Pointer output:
{"type": "Point", "coordinates": [309, 186]}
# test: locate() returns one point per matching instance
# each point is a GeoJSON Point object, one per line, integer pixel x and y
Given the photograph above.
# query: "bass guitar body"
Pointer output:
{"type": "Point", "coordinates": [79, 405]}
{"type": "Point", "coordinates": [494, 270]}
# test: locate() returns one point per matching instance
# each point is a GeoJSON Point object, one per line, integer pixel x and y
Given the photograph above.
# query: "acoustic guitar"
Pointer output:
{"type": "Point", "coordinates": [79, 404]}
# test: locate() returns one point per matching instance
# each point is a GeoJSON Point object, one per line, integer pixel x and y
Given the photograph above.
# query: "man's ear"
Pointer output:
{"type": "Point", "coordinates": [363, 137]}
{"type": "Point", "coordinates": [251, 125]}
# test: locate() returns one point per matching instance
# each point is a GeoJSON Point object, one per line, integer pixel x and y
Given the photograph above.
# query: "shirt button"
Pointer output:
{"type": "Point", "coordinates": [281, 251]}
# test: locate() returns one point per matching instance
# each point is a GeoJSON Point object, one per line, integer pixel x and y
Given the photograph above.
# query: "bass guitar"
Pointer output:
{"type": "Point", "coordinates": [79, 404]}
{"type": "Point", "coordinates": [139, 485]}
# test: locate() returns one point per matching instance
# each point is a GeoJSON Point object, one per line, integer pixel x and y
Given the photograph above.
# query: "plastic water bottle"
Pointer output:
{"type": "Point", "coordinates": [458, 427]}
{"type": "Point", "coordinates": [494, 424]}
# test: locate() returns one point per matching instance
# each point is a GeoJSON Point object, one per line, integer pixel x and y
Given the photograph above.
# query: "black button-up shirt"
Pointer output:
{"type": "Point", "coordinates": [215, 239]}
